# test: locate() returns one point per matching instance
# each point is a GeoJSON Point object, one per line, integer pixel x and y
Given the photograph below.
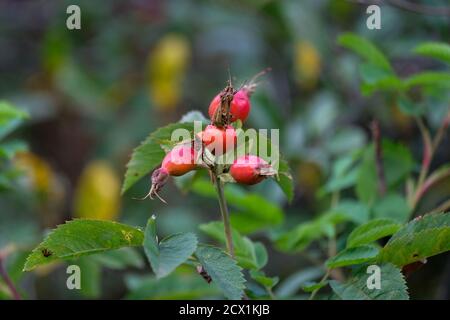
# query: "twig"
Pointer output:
{"type": "Point", "coordinates": [430, 147]}
{"type": "Point", "coordinates": [376, 136]}
{"type": "Point", "coordinates": [8, 281]}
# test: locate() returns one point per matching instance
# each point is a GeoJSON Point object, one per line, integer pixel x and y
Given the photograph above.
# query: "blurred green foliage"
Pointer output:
{"type": "Point", "coordinates": [93, 94]}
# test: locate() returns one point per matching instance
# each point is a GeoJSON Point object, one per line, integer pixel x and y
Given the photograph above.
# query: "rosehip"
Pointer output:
{"type": "Point", "coordinates": [250, 170]}
{"type": "Point", "coordinates": [239, 108]}
{"type": "Point", "coordinates": [218, 140]}
{"type": "Point", "coordinates": [179, 161]}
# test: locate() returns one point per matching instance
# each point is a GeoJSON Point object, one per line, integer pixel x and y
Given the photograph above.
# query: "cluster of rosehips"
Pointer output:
{"type": "Point", "coordinates": [218, 138]}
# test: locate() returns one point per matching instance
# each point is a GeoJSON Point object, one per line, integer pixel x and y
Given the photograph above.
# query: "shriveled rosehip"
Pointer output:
{"type": "Point", "coordinates": [250, 170]}
{"type": "Point", "coordinates": [218, 140]}
{"type": "Point", "coordinates": [239, 108]}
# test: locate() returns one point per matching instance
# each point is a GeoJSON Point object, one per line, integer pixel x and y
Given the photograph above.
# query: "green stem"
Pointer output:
{"type": "Point", "coordinates": [225, 215]}
{"type": "Point", "coordinates": [325, 277]}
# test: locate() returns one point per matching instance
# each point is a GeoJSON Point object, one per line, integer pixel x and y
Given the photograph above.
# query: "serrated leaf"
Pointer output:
{"type": "Point", "coordinates": [393, 286]}
{"type": "Point", "coordinates": [248, 254]}
{"type": "Point", "coordinates": [418, 240]}
{"type": "Point", "coordinates": [167, 255]}
{"type": "Point", "coordinates": [150, 154]}
{"type": "Point", "coordinates": [372, 231]}
{"type": "Point", "coordinates": [192, 116]}
{"type": "Point", "coordinates": [223, 271]}
{"type": "Point", "coordinates": [365, 49]}
{"type": "Point", "coordinates": [437, 50]}
{"type": "Point", "coordinates": [83, 237]}
{"type": "Point", "coordinates": [351, 256]}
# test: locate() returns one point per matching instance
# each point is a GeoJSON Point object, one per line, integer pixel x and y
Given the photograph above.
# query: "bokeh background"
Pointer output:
{"type": "Point", "coordinates": [93, 94]}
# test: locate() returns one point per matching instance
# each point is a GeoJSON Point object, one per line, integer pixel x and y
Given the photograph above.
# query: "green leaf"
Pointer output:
{"type": "Point", "coordinates": [285, 181]}
{"type": "Point", "coordinates": [171, 252]}
{"type": "Point", "coordinates": [389, 83]}
{"type": "Point", "coordinates": [372, 231]}
{"type": "Point", "coordinates": [302, 235]}
{"type": "Point", "coordinates": [10, 148]}
{"type": "Point", "coordinates": [372, 74]}
{"type": "Point", "coordinates": [437, 50]}
{"type": "Point", "coordinates": [8, 112]}
{"type": "Point", "coordinates": [181, 284]}
{"type": "Point", "coordinates": [428, 78]}
{"type": "Point", "coordinates": [223, 271]}
{"type": "Point", "coordinates": [418, 240]}
{"type": "Point", "coordinates": [312, 286]}
{"type": "Point", "coordinates": [392, 206]}
{"type": "Point", "coordinates": [351, 256]}
{"type": "Point", "coordinates": [397, 162]}
{"type": "Point", "coordinates": [120, 259]}
{"type": "Point", "coordinates": [365, 49]}
{"type": "Point", "coordinates": [10, 118]}
{"type": "Point", "coordinates": [249, 255]}
{"type": "Point", "coordinates": [409, 107]}
{"type": "Point", "coordinates": [83, 237]}
{"type": "Point", "coordinates": [150, 154]}
{"type": "Point", "coordinates": [355, 211]}
{"type": "Point", "coordinates": [262, 279]}
{"type": "Point", "coordinates": [91, 277]}
{"type": "Point", "coordinates": [393, 286]}
{"type": "Point", "coordinates": [249, 216]}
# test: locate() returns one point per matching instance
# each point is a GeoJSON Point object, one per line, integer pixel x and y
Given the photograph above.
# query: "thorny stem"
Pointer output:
{"type": "Point", "coordinates": [225, 215]}
{"type": "Point", "coordinates": [8, 281]}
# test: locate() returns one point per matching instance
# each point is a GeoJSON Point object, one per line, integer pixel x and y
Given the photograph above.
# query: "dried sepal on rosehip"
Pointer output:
{"type": "Point", "coordinates": [179, 161]}
{"type": "Point", "coordinates": [251, 170]}
{"type": "Point", "coordinates": [239, 106]}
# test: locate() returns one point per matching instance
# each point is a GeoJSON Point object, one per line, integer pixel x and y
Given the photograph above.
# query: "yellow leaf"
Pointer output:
{"type": "Point", "coordinates": [97, 195]}
{"type": "Point", "coordinates": [307, 64]}
{"type": "Point", "coordinates": [36, 169]}
{"type": "Point", "coordinates": [167, 65]}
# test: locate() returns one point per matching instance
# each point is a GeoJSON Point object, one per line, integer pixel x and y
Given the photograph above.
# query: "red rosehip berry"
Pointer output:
{"type": "Point", "coordinates": [218, 140]}
{"type": "Point", "coordinates": [239, 108]}
{"type": "Point", "coordinates": [250, 170]}
{"type": "Point", "coordinates": [179, 161]}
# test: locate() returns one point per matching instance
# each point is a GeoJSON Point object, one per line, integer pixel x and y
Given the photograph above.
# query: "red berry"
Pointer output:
{"type": "Point", "coordinates": [250, 170]}
{"type": "Point", "coordinates": [180, 160]}
{"type": "Point", "coordinates": [218, 140]}
{"type": "Point", "coordinates": [239, 109]}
